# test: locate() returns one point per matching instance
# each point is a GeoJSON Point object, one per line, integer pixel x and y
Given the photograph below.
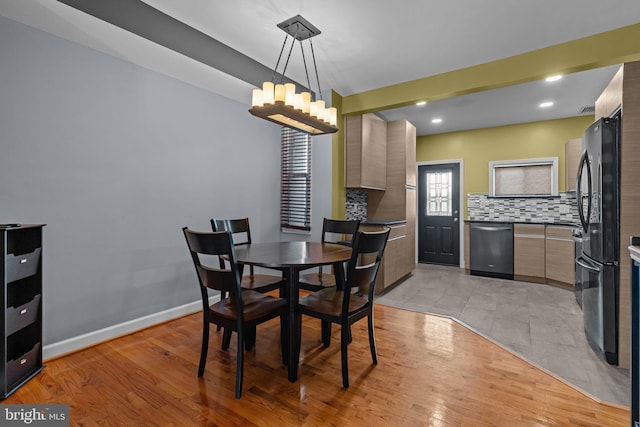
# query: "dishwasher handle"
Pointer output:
{"type": "Point", "coordinates": [491, 228]}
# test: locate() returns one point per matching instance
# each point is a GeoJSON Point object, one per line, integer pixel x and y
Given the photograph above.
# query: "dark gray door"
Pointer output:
{"type": "Point", "coordinates": [439, 214]}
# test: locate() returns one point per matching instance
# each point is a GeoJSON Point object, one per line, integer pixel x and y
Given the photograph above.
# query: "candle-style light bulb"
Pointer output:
{"type": "Point", "coordinates": [256, 98]}
{"type": "Point", "coordinates": [267, 92]}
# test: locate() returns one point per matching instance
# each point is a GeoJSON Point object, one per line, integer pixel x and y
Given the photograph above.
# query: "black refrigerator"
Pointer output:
{"type": "Point", "coordinates": [597, 266]}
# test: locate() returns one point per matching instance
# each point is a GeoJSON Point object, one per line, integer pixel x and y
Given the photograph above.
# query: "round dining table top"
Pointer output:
{"type": "Point", "coordinates": [291, 254]}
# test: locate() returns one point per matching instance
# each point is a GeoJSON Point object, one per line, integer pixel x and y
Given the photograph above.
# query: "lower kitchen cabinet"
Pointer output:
{"type": "Point", "coordinates": [529, 252]}
{"type": "Point", "coordinates": [541, 253]}
{"type": "Point", "coordinates": [394, 266]}
{"type": "Point", "coordinates": [21, 305]}
{"type": "Point", "coordinates": [410, 246]}
{"type": "Point", "coordinates": [559, 256]}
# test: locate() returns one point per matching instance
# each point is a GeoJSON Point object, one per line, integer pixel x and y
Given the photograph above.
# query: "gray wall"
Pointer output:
{"type": "Point", "coordinates": [115, 159]}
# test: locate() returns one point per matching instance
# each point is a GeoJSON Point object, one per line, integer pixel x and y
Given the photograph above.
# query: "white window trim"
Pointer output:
{"type": "Point", "coordinates": [553, 161]}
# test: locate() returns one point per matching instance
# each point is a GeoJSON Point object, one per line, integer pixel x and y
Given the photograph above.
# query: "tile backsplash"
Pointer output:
{"type": "Point", "coordinates": [356, 204]}
{"type": "Point", "coordinates": [560, 209]}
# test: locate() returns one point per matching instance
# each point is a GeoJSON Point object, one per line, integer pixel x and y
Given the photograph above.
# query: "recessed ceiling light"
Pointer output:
{"type": "Point", "coordinates": [436, 120]}
{"type": "Point", "coordinates": [553, 78]}
{"type": "Point", "coordinates": [546, 104]}
{"type": "Point", "coordinates": [421, 103]}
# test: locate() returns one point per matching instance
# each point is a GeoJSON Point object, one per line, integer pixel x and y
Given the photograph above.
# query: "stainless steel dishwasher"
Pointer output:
{"type": "Point", "coordinates": [491, 249]}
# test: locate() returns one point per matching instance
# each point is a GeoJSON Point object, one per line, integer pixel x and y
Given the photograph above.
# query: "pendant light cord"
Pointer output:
{"type": "Point", "coordinates": [275, 70]}
{"type": "Point", "coordinates": [315, 66]}
{"type": "Point", "coordinates": [304, 61]}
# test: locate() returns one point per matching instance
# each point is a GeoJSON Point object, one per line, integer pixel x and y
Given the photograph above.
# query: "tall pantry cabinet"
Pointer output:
{"type": "Point", "coordinates": [21, 305]}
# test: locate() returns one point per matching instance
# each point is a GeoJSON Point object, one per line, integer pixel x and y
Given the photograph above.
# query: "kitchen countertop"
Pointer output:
{"type": "Point", "coordinates": [384, 222]}
{"type": "Point", "coordinates": [565, 224]}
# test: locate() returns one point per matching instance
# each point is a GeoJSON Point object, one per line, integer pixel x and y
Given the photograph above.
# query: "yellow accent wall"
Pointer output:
{"type": "Point", "coordinates": [338, 193]}
{"type": "Point", "coordinates": [478, 147]}
{"type": "Point", "coordinates": [599, 50]}
{"type": "Point", "coordinates": [612, 47]}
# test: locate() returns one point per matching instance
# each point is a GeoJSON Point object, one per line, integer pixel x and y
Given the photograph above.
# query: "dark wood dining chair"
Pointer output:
{"type": "Point", "coordinates": [333, 231]}
{"type": "Point", "coordinates": [355, 302]}
{"type": "Point", "coordinates": [243, 310]}
{"type": "Point", "coordinates": [241, 233]}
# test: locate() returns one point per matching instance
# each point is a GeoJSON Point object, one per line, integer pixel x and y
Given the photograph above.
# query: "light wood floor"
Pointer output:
{"type": "Point", "coordinates": [431, 372]}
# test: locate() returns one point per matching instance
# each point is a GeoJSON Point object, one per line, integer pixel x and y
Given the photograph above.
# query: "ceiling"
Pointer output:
{"type": "Point", "coordinates": [364, 45]}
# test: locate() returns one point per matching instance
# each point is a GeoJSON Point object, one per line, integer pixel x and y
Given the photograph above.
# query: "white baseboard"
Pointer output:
{"type": "Point", "coordinates": [82, 341]}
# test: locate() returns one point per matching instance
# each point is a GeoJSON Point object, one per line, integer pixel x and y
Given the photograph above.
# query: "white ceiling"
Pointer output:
{"type": "Point", "coordinates": [369, 44]}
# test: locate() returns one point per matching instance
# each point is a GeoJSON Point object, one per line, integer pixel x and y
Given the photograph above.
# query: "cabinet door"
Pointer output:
{"type": "Point", "coordinates": [572, 152]}
{"type": "Point", "coordinates": [410, 246]}
{"type": "Point", "coordinates": [560, 256]}
{"type": "Point", "coordinates": [528, 252]}
{"type": "Point", "coordinates": [410, 153]}
{"type": "Point", "coordinates": [394, 268]}
{"type": "Point", "coordinates": [366, 152]}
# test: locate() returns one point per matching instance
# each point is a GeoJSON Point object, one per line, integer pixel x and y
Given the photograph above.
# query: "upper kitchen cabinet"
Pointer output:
{"type": "Point", "coordinates": [572, 152]}
{"type": "Point", "coordinates": [401, 174]}
{"type": "Point", "coordinates": [366, 152]}
{"type": "Point", "coordinates": [404, 131]}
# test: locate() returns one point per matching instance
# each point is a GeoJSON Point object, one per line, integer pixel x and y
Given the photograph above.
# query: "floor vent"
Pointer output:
{"type": "Point", "coordinates": [589, 109]}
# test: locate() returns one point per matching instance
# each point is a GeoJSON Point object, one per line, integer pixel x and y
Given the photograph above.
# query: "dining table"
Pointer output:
{"type": "Point", "coordinates": [291, 258]}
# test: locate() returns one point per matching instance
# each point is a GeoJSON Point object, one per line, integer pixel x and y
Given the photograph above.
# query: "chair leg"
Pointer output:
{"type": "Point", "coordinates": [298, 338]}
{"type": "Point", "coordinates": [223, 295]}
{"type": "Point", "coordinates": [250, 338]}
{"type": "Point", "coordinates": [372, 339]}
{"type": "Point", "coordinates": [344, 333]}
{"type": "Point", "coordinates": [326, 333]}
{"type": "Point", "coordinates": [284, 339]}
{"type": "Point", "coordinates": [226, 339]}
{"type": "Point", "coordinates": [240, 364]}
{"type": "Point", "coordinates": [205, 347]}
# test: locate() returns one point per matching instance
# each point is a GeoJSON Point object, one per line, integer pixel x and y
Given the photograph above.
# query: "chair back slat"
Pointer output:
{"type": "Point", "coordinates": [217, 244]}
{"type": "Point", "coordinates": [216, 279]}
{"type": "Point", "coordinates": [363, 276]}
{"type": "Point", "coordinates": [341, 228]}
{"type": "Point", "coordinates": [239, 228]}
{"type": "Point", "coordinates": [203, 243]}
{"type": "Point", "coordinates": [363, 267]}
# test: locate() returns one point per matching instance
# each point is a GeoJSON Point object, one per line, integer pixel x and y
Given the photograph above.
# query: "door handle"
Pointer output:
{"type": "Point", "coordinates": [455, 219]}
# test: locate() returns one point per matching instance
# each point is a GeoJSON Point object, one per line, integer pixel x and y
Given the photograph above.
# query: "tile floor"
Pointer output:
{"type": "Point", "coordinates": [541, 323]}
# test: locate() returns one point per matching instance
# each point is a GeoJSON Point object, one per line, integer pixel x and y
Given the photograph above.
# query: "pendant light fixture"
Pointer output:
{"type": "Point", "coordinates": [279, 102]}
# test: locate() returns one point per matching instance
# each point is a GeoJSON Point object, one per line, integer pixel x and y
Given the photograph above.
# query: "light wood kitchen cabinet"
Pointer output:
{"type": "Point", "coordinates": [401, 172]}
{"type": "Point", "coordinates": [409, 136]}
{"type": "Point", "coordinates": [572, 153]}
{"type": "Point", "coordinates": [559, 256]}
{"type": "Point", "coordinates": [394, 265]}
{"type": "Point", "coordinates": [529, 252]}
{"type": "Point", "coordinates": [394, 207]}
{"type": "Point", "coordinates": [365, 152]}
{"type": "Point", "coordinates": [410, 247]}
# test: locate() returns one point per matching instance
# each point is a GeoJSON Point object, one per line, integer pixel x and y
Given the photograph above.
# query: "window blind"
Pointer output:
{"type": "Point", "coordinates": [295, 185]}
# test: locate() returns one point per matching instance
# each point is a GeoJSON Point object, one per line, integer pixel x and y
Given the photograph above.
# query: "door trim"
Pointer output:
{"type": "Point", "coordinates": [460, 162]}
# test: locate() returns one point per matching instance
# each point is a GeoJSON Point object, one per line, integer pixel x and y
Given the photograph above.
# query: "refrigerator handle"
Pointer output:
{"type": "Point", "coordinates": [584, 161]}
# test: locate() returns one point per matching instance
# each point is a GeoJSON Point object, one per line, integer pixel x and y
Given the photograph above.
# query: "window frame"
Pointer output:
{"type": "Point", "coordinates": [550, 161]}
{"type": "Point", "coordinates": [295, 185]}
